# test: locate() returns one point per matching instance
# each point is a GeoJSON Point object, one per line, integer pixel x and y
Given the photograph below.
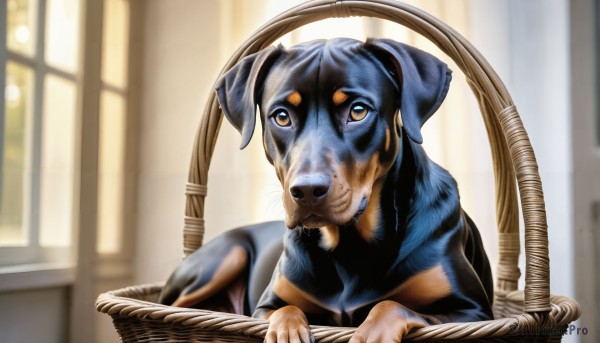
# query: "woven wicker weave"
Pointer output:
{"type": "Point", "coordinates": [139, 319]}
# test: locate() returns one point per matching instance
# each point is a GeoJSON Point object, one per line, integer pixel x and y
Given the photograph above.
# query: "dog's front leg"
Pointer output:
{"type": "Point", "coordinates": [288, 324]}
{"type": "Point", "coordinates": [388, 321]}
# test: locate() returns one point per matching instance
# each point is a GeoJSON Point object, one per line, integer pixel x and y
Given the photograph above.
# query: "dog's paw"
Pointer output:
{"type": "Point", "coordinates": [387, 321]}
{"type": "Point", "coordinates": [288, 325]}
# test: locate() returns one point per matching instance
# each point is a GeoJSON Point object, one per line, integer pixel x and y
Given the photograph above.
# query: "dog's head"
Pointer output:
{"type": "Point", "coordinates": [330, 116]}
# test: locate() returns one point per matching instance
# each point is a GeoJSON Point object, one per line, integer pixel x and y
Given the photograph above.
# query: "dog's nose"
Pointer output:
{"type": "Point", "coordinates": [310, 188]}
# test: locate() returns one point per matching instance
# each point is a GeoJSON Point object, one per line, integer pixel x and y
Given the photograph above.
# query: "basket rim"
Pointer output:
{"type": "Point", "coordinates": [124, 302]}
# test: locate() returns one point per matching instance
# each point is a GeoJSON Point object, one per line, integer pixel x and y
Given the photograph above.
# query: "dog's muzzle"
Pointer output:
{"type": "Point", "coordinates": [314, 202]}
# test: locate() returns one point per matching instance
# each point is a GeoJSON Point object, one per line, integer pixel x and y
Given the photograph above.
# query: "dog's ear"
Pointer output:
{"type": "Point", "coordinates": [424, 82]}
{"type": "Point", "coordinates": [238, 89]}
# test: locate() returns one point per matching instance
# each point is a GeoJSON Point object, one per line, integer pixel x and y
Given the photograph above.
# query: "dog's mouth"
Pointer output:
{"type": "Point", "coordinates": [316, 218]}
{"type": "Point", "coordinates": [313, 221]}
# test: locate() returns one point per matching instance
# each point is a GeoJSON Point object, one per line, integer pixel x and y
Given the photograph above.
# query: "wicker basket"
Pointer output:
{"type": "Point", "coordinates": [533, 312]}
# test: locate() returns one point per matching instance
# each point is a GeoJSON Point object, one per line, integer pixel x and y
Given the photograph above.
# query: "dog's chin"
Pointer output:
{"type": "Point", "coordinates": [311, 221]}
{"type": "Point", "coordinates": [316, 221]}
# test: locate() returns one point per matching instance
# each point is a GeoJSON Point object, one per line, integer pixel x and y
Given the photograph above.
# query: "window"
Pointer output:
{"type": "Point", "coordinates": [39, 72]}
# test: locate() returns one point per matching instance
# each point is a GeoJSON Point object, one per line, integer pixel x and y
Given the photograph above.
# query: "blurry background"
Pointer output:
{"type": "Point", "coordinates": [101, 103]}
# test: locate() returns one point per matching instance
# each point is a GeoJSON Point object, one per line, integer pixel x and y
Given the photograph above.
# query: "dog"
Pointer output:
{"type": "Point", "coordinates": [374, 234]}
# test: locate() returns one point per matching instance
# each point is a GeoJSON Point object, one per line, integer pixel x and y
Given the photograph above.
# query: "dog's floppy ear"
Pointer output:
{"type": "Point", "coordinates": [238, 88]}
{"type": "Point", "coordinates": [424, 82]}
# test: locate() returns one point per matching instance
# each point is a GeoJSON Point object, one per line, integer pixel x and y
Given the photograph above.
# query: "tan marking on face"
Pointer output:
{"type": "Point", "coordinates": [355, 184]}
{"type": "Point", "coordinates": [294, 99]}
{"type": "Point", "coordinates": [286, 176]}
{"type": "Point", "coordinates": [362, 173]}
{"type": "Point", "coordinates": [371, 170]}
{"type": "Point", "coordinates": [230, 268]}
{"type": "Point", "coordinates": [423, 289]}
{"type": "Point", "coordinates": [387, 139]}
{"type": "Point", "coordinates": [339, 97]}
{"type": "Point", "coordinates": [292, 295]}
{"type": "Point", "coordinates": [330, 237]}
{"type": "Point", "coordinates": [369, 220]}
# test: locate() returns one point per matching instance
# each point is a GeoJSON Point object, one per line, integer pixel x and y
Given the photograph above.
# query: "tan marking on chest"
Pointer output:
{"type": "Point", "coordinates": [339, 97]}
{"type": "Point", "coordinates": [423, 289]}
{"type": "Point", "coordinates": [292, 295]}
{"type": "Point", "coordinates": [294, 99]}
{"type": "Point", "coordinates": [330, 237]}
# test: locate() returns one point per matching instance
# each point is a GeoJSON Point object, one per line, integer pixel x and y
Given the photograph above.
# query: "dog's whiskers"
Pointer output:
{"type": "Point", "coordinates": [341, 201]}
{"type": "Point", "coordinates": [275, 199]}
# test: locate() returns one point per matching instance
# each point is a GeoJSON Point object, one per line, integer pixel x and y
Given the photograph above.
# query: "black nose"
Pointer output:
{"type": "Point", "coordinates": [310, 188]}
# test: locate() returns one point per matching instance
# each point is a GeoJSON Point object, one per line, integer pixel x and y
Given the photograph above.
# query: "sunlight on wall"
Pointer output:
{"type": "Point", "coordinates": [113, 127]}
{"type": "Point", "coordinates": [111, 178]}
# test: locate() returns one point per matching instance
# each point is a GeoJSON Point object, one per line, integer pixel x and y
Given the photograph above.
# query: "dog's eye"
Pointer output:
{"type": "Point", "coordinates": [358, 112]}
{"type": "Point", "coordinates": [282, 118]}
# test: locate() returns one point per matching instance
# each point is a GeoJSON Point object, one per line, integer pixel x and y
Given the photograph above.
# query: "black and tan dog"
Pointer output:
{"type": "Point", "coordinates": [377, 237]}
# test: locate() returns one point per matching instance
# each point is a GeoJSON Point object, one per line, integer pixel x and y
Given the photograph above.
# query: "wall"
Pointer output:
{"type": "Point", "coordinates": [184, 48]}
{"type": "Point", "coordinates": [181, 47]}
{"type": "Point", "coordinates": [45, 310]}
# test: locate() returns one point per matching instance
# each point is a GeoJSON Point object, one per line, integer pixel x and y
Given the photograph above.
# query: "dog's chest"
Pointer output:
{"type": "Point", "coordinates": [350, 302]}
{"type": "Point", "coordinates": [343, 289]}
{"type": "Point", "coordinates": [346, 287]}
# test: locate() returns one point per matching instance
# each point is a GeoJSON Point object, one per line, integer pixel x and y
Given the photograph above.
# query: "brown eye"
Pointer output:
{"type": "Point", "coordinates": [282, 118]}
{"type": "Point", "coordinates": [358, 112]}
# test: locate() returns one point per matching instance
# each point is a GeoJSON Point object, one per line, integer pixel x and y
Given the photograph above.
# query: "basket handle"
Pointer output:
{"type": "Point", "coordinates": [511, 150]}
